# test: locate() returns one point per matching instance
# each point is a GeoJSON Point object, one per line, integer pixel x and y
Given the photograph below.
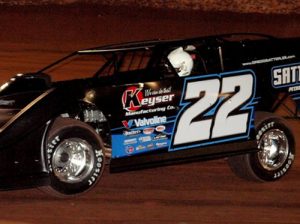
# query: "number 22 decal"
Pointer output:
{"type": "Point", "coordinates": [214, 109]}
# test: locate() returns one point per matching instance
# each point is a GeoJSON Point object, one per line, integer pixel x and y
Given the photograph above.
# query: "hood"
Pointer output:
{"type": "Point", "coordinates": [19, 91]}
{"type": "Point", "coordinates": [26, 82]}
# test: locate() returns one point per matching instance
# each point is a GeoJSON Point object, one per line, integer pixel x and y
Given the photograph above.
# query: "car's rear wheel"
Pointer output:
{"type": "Point", "coordinates": [275, 157]}
{"type": "Point", "coordinates": [75, 157]}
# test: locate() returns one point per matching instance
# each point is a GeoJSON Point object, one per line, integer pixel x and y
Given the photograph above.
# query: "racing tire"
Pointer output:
{"type": "Point", "coordinates": [74, 158]}
{"type": "Point", "coordinates": [276, 154]}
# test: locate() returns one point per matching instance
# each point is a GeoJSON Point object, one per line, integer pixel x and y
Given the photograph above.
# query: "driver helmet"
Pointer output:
{"type": "Point", "coordinates": [181, 61]}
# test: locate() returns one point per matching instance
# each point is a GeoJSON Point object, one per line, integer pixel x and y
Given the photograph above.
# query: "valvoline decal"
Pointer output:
{"type": "Point", "coordinates": [141, 122]}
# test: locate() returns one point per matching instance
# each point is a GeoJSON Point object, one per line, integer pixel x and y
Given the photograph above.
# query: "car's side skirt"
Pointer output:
{"type": "Point", "coordinates": [164, 158]}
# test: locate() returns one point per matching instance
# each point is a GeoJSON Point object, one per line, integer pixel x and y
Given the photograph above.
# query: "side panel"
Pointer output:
{"type": "Point", "coordinates": [146, 117]}
{"type": "Point", "coordinates": [275, 63]}
{"type": "Point", "coordinates": [183, 114]}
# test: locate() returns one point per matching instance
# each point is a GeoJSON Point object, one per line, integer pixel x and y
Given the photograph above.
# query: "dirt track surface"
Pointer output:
{"type": "Point", "coordinates": [206, 192]}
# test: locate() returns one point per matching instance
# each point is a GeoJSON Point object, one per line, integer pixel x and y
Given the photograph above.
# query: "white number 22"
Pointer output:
{"type": "Point", "coordinates": [223, 99]}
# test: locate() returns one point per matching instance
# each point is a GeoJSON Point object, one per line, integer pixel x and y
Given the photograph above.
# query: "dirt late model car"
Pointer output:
{"type": "Point", "coordinates": [143, 104]}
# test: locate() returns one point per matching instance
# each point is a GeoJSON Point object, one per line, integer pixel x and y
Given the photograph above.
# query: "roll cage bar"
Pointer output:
{"type": "Point", "coordinates": [152, 43]}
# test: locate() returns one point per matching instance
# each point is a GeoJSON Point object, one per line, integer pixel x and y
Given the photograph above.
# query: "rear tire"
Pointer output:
{"type": "Point", "coordinates": [275, 157]}
{"type": "Point", "coordinates": [74, 156]}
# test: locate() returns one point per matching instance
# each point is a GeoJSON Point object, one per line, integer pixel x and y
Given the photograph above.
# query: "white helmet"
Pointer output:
{"type": "Point", "coordinates": [181, 61]}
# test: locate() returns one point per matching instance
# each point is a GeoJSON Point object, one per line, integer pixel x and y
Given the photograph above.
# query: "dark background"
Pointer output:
{"type": "Point", "coordinates": [241, 6]}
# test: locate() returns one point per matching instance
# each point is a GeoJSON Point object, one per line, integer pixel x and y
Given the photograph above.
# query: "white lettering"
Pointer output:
{"type": "Point", "coordinates": [286, 75]}
{"type": "Point", "coordinates": [151, 101]}
{"type": "Point", "coordinates": [277, 77]}
{"type": "Point", "coordinates": [151, 121]}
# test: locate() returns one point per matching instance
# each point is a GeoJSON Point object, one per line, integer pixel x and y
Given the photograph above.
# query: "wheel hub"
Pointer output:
{"type": "Point", "coordinates": [274, 149]}
{"type": "Point", "coordinates": [73, 160]}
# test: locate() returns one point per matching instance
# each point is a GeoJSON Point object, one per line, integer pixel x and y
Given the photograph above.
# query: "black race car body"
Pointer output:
{"type": "Point", "coordinates": [145, 114]}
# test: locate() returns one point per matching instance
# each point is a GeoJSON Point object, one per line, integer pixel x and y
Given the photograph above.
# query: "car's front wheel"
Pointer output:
{"type": "Point", "coordinates": [75, 157]}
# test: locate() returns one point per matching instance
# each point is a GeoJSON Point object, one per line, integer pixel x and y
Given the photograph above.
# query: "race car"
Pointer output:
{"type": "Point", "coordinates": [144, 104]}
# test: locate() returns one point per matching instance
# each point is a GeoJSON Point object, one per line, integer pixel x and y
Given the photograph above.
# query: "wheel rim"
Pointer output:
{"type": "Point", "coordinates": [274, 149]}
{"type": "Point", "coordinates": [73, 160]}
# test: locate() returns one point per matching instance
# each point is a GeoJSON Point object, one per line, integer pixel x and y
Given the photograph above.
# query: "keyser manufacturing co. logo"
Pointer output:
{"type": "Point", "coordinates": [133, 99]}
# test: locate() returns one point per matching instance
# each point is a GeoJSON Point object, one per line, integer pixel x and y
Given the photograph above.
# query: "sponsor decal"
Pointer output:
{"type": "Point", "coordinates": [268, 60]}
{"type": "Point", "coordinates": [148, 131]}
{"type": "Point", "coordinates": [141, 122]}
{"type": "Point", "coordinates": [127, 124]}
{"type": "Point", "coordinates": [134, 98]}
{"type": "Point", "coordinates": [151, 121]}
{"type": "Point", "coordinates": [140, 147]}
{"type": "Point", "coordinates": [129, 149]}
{"type": "Point", "coordinates": [170, 107]}
{"type": "Point", "coordinates": [160, 128]}
{"type": "Point", "coordinates": [287, 75]}
{"type": "Point", "coordinates": [151, 92]}
{"type": "Point", "coordinates": [145, 139]}
{"type": "Point", "coordinates": [132, 133]}
{"type": "Point", "coordinates": [161, 144]}
{"type": "Point", "coordinates": [160, 137]}
{"type": "Point", "coordinates": [150, 146]}
{"type": "Point", "coordinates": [294, 88]}
{"type": "Point", "coordinates": [151, 110]}
{"type": "Point", "coordinates": [152, 101]}
{"type": "Point", "coordinates": [130, 141]}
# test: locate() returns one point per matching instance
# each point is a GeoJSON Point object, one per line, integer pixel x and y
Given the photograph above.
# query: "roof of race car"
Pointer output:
{"type": "Point", "coordinates": [152, 43]}
{"type": "Point", "coordinates": [123, 46]}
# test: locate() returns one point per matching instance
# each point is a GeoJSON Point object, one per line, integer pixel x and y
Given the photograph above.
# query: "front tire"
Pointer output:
{"type": "Point", "coordinates": [276, 154]}
{"type": "Point", "coordinates": [75, 157]}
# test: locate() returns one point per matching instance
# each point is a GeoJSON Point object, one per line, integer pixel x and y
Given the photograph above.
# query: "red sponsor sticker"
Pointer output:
{"type": "Point", "coordinates": [160, 128]}
{"type": "Point", "coordinates": [132, 98]}
{"type": "Point", "coordinates": [129, 149]}
{"type": "Point", "coordinates": [148, 131]}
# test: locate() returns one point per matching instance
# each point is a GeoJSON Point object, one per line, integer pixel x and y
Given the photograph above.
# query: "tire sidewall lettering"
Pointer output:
{"type": "Point", "coordinates": [288, 164]}
{"type": "Point", "coordinates": [98, 168]}
{"type": "Point", "coordinates": [50, 150]}
{"type": "Point", "coordinates": [263, 129]}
